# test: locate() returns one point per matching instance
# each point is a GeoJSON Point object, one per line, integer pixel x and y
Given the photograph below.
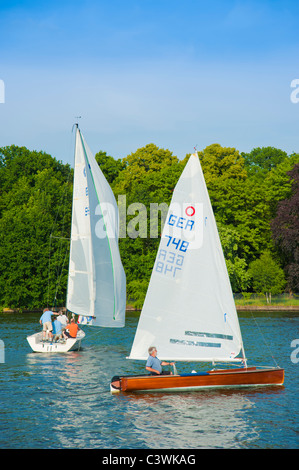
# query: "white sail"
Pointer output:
{"type": "Point", "coordinates": [189, 312]}
{"type": "Point", "coordinates": [97, 283]}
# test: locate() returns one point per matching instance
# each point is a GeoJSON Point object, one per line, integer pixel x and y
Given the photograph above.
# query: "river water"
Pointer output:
{"type": "Point", "coordinates": [58, 401]}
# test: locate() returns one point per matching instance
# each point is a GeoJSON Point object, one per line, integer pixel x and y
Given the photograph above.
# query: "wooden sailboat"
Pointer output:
{"type": "Point", "coordinates": [189, 312]}
{"type": "Point", "coordinates": [96, 279]}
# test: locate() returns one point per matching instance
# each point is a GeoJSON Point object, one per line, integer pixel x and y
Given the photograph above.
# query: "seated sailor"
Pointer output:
{"type": "Point", "coordinates": [154, 365]}
{"type": "Point", "coordinates": [71, 329]}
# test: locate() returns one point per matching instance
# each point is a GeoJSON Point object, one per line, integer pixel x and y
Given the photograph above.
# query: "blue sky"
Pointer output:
{"type": "Point", "coordinates": [178, 74]}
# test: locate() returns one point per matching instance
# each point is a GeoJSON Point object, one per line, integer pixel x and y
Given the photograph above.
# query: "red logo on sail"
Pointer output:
{"type": "Point", "coordinates": [190, 211]}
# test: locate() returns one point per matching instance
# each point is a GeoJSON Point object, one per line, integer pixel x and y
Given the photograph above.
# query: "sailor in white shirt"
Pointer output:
{"type": "Point", "coordinates": [62, 318]}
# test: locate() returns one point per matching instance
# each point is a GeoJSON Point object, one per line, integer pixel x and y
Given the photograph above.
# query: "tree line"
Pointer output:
{"type": "Point", "coordinates": [255, 197]}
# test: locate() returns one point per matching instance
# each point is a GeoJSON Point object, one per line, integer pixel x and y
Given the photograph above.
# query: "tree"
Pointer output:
{"type": "Point", "coordinates": [277, 183]}
{"type": "Point", "coordinates": [238, 202]}
{"type": "Point", "coordinates": [148, 179]}
{"type": "Point", "coordinates": [237, 267]}
{"type": "Point", "coordinates": [137, 291]}
{"type": "Point", "coordinates": [267, 276]}
{"type": "Point", "coordinates": [109, 165]}
{"type": "Point", "coordinates": [285, 230]}
{"type": "Point", "coordinates": [261, 160]}
{"type": "Point", "coordinates": [224, 174]}
{"type": "Point", "coordinates": [139, 166]}
{"type": "Point", "coordinates": [35, 203]}
{"type": "Point", "coordinates": [247, 191]}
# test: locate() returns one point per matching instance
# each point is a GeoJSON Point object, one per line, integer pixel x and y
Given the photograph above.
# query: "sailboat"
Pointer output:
{"type": "Point", "coordinates": [189, 312]}
{"type": "Point", "coordinates": [96, 289]}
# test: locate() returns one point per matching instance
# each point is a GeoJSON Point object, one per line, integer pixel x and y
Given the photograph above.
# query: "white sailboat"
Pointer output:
{"type": "Point", "coordinates": [96, 279]}
{"type": "Point", "coordinates": [189, 312]}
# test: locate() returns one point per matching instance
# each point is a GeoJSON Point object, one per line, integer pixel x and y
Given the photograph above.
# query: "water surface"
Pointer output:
{"type": "Point", "coordinates": [53, 401]}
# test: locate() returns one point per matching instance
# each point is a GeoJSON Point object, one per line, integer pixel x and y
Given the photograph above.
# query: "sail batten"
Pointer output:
{"type": "Point", "coordinates": [97, 284]}
{"type": "Point", "coordinates": [189, 312]}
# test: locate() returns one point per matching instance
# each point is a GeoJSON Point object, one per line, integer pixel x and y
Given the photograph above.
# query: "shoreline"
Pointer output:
{"type": "Point", "coordinates": [268, 308]}
{"type": "Point", "coordinates": [129, 308]}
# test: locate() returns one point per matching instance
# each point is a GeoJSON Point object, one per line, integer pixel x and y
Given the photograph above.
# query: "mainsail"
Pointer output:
{"type": "Point", "coordinates": [96, 283]}
{"type": "Point", "coordinates": [189, 312]}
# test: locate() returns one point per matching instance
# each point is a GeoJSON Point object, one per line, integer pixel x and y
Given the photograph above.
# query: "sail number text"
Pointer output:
{"type": "Point", "coordinates": [171, 262]}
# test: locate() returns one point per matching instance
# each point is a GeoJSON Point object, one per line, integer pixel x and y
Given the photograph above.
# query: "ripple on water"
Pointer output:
{"type": "Point", "coordinates": [63, 400]}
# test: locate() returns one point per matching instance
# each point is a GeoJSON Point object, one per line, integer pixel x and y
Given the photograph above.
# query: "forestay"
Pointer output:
{"type": "Point", "coordinates": [97, 284]}
{"type": "Point", "coordinates": [189, 312]}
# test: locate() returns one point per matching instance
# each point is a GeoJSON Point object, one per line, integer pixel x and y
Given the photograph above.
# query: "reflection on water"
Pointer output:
{"type": "Point", "coordinates": [63, 400]}
{"type": "Point", "coordinates": [77, 392]}
{"type": "Point", "coordinates": [191, 420]}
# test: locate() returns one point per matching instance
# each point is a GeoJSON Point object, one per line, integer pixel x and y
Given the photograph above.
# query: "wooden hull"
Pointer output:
{"type": "Point", "coordinates": [71, 344]}
{"type": "Point", "coordinates": [187, 382]}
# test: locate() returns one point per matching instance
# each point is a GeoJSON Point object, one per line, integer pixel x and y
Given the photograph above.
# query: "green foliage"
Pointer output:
{"type": "Point", "coordinates": [246, 191]}
{"type": "Point", "coordinates": [32, 187]}
{"type": "Point", "coordinates": [147, 171]}
{"type": "Point", "coordinates": [285, 229]}
{"type": "Point", "coordinates": [137, 291]}
{"type": "Point", "coordinates": [109, 166]}
{"type": "Point", "coordinates": [267, 276]}
{"type": "Point", "coordinates": [149, 176]}
{"type": "Point", "coordinates": [237, 267]}
{"type": "Point", "coordinates": [238, 202]}
{"type": "Point", "coordinates": [262, 160]}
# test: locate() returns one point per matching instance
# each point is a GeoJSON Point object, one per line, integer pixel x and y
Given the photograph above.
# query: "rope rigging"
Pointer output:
{"type": "Point", "coordinates": [265, 342]}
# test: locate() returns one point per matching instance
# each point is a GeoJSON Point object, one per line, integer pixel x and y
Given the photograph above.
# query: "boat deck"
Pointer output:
{"type": "Point", "coordinates": [38, 344]}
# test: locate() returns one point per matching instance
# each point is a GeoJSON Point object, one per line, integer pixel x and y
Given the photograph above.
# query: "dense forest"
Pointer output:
{"type": "Point", "coordinates": [255, 197]}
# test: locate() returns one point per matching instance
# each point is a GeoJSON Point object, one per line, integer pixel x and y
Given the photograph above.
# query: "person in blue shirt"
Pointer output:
{"type": "Point", "coordinates": [154, 365]}
{"type": "Point", "coordinates": [46, 321]}
{"type": "Point", "coordinates": [57, 329]}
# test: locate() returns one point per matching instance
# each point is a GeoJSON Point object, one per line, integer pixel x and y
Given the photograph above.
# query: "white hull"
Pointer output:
{"type": "Point", "coordinates": [38, 345]}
